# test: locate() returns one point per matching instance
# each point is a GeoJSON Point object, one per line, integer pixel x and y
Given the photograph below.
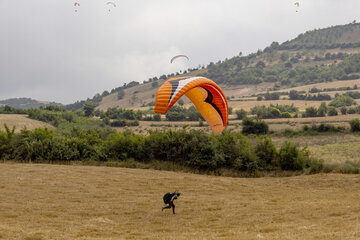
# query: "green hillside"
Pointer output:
{"type": "Point", "coordinates": [26, 103]}
{"type": "Point", "coordinates": [342, 36]}
{"type": "Point", "coordinates": [322, 55]}
{"type": "Point", "coordinates": [316, 56]}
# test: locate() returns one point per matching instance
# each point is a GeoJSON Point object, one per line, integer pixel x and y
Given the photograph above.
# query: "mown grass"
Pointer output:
{"type": "Point", "coordinates": [43, 201]}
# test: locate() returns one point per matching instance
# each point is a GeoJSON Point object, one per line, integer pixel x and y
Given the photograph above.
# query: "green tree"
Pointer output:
{"type": "Point", "coordinates": [310, 112]}
{"type": "Point", "coordinates": [121, 94]}
{"type": "Point", "coordinates": [355, 125]}
{"type": "Point", "coordinates": [284, 56]}
{"type": "Point", "coordinates": [322, 110]}
{"type": "Point", "coordinates": [89, 109]}
{"type": "Point", "coordinates": [154, 84]}
{"type": "Point", "coordinates": [332, 111]}
{"type": "Point", "coordinates": [254, 127]}
{"type": "Point", "coordinates": [240, 114]}
{"type": "Point", "coordinates": [180, 102]}
{"type": "Point", "coordinates": [343, 110]}
{"type": "Point", "coordinates": [342, 101]}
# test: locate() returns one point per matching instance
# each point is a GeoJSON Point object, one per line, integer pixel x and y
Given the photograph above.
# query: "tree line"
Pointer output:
{"type": "Point", "coordinates": [191, 148]}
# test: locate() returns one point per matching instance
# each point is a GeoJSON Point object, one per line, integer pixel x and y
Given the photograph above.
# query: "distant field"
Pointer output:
{"type": "Point", "coordinates": [21, 122]}
{"type": "Point", "coordinates": [339, 152]}
{"type": "Point", "coordinates": [41, 202]}
{"type": "Point", "coordinates": [335, 84]}
{"type": "Point", "coordinates": [302, 105]}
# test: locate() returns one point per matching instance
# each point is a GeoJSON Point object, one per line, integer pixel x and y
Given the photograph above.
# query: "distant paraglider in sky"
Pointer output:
{"type": "Point", "coordinates": [76, 4]}
{"type": "Point", "coordinates": [205, 94]}
{"type": "Point", "coordinates": [111, 3]}
{"type": "Point", "coordinates": [178, 56]}
{"type": "Point", "coordinates": [297, 5]}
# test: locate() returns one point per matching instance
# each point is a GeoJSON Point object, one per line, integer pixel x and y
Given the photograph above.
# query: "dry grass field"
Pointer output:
{"type": "Point", "coordinates": [40, 201]}
{"type": "Point", "coordinates": [335, 84]}
{"type": "Point", "coordinates": [21, 122]}
{"type": "Point", "coordinates": [338, 152]}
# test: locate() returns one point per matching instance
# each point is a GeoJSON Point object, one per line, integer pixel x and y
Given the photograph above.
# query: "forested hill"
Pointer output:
{"type": "Point", "coordinates": [26, 103]}
{"type": "Point", "coordinates": [320, 55]}
{"type": "Point", "coordinates": [323, 55]}
{"type": "Point", "coordinates": [342, 36]}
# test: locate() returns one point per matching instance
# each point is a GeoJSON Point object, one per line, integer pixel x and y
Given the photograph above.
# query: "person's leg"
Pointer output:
{"type": "Point", "coordinates": [173, 207]}
{"type": "Point", "coordinates": [166, 207]}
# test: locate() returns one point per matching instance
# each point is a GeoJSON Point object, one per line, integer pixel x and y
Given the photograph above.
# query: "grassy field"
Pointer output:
{"type": "Point", "coordinates": [83, 202]}
{"type": "Point", "coordinates": [21, 121]}
{"type": "Point", "coordinates": [338, 152]}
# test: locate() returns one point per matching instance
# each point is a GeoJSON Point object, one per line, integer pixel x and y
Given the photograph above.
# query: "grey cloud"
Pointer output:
{"type": "Point", "coordinates": [50, 52]}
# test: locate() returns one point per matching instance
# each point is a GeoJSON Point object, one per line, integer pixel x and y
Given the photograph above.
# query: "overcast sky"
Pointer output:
{"type": "Point", "coordinates": [49, 51]}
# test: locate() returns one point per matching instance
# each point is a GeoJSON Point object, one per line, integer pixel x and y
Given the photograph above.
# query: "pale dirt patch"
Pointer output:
{"type": "Point", "coordinates": [21, 121]}
{"type": "Point", "coordinates": [80, 202]}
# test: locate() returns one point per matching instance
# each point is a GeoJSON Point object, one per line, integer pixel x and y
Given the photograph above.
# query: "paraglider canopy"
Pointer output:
{"type": "Point", "coordinates": [111, 3]}
{"type": "Point", "coordinates": [206, 95]}
{"type": "Point", "coordinates": [297, 5]}
{"type": "Point", "coordinates": [76, 4]}
{"type": "Point", "coordinates": [178, 56]}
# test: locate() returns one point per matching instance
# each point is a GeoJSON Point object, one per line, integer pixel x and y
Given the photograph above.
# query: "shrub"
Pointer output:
{"type": "Point", "coordinates": [157, 117]}
{"type": "Point", "coordinates": [121, 94]}
{"type": "Point", "coordinates": [355, 125]}
{"type": "Point", "coordinates": [285, 115]}
{"type": "Point", "coordinates": [275, 113]}
{"type": "Point", "coordinates": [342, 101]}
{"type": "Point", "coordinates": [266, 152]}
{"type": "Point", "coordinates": [343, 110]}
{"type": "Point", "coordinates": [291, 157]}
{"type": "Point", "coordinates": [351, 111]}
{"type": "Point", "coordinates": [175, 116]}
{"type": "Point", "coordinates": [332, 111]}
{"type": "Point", "coordinates": [322, 111]}
{"type": "Point", "coordinates": [118, 123]}
{"type": "Point", "coordinates": [235, 151]}
{"type": "Point", "coordinates": [254, 127]}
{"type": "Point", "coordinates": [240, 114]}
{"type": "Point", "coordinates": [310, 112]}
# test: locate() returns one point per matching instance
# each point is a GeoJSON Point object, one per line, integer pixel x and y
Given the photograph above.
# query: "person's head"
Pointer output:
{"type": "Point", "coordinates": [178, 193]}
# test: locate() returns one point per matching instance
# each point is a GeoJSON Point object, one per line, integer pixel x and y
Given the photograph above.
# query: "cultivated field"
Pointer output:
{"type": "Point", "coordinates": [21, 121]}
{"type": "Point", "coordinates": [82, 202]}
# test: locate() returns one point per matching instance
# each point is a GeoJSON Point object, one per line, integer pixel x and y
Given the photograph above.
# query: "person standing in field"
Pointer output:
{"type": "Point", "coordinates": [169, 199]}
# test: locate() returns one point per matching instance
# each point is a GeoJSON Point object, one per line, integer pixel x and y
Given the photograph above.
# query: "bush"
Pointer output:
{"type": "Point", "coordinates": [175, 116]}
{"type": "Point", "coordinates": [342, 101]}
{"type": "Point", "coordinates": [254, 127]}
{"type": "Point", "coordinates": [322, 111]}
{"type": "Point", "coordinates": [292, 158]}
{"type": "Point", "coordinates": [285, 115]}
{"type": "Point", "coordinates": [240, 114]}
{"type": "Point", "coordinates": [343, 110]}
{"type": "Point", "coordinates": [332, 111]}
{"type": "Point", "coordinates": [157, 117]}
{"type": "Point", "coordinates": [351, 111]}
{"type": "Point", "coordinates": [118, 123]}
{"type": "Point", "coordinates": [310, 112]}
{"type": "Point", "coordinates": [355, 125]}
{"type": "Point", "coordinates": [266, 152]}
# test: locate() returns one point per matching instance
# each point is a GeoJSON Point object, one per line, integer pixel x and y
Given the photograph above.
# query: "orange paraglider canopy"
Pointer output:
{"type": "Point", "coordinates": [76, 4]}
{"type": "Point", "coordinates": [206, 95]}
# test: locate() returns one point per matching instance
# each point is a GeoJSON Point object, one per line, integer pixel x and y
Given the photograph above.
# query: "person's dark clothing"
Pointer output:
{"type": "Point", "coordinates": [169, 199]}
